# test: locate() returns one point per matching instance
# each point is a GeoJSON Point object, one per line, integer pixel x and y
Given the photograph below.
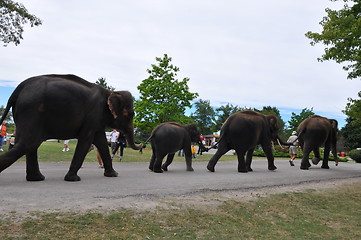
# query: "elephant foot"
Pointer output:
{"type": "Point", "coordinates": [190, 169]}
{"type": "Point", "coordinates": [71, 177]}
{"type": "Point", "coordinates": [250, 169]}
{"type": "Point", "coordinates": [315, 161]}
{"type": "Point", "coordinates": [35, 177]}
{"type": "Point", "coordinates": [304, 167]}
{"type": "Point", "coordinates": [112, 173]}
{"type": "Point", "coordinates": [150, 168]}
{"type": "Point", "coordinates": [325, 167]}
{"type": "Point", "coordinates": [243, 170]}
{"type": "Point", "coordinates": [210, 168]}
{"type": "Point", "coordinates": [165, 168]}
{"type": "Point", "coordinates": [272, 168]}
{"type": "Point", "coordinates": [157, 170]}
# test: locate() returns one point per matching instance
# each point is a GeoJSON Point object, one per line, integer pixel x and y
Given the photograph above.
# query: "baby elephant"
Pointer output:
{"type": "Point", "coordinates": [167, 139]}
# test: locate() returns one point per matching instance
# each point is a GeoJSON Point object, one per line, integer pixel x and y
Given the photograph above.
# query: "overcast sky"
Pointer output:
{"type": "Point", "coordinates": [247, 53]}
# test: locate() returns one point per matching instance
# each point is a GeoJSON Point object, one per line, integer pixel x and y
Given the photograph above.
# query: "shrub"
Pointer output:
{"type": "Point", "coordinates": [356, 155]}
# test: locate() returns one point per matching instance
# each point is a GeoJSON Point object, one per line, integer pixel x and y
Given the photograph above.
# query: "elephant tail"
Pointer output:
{"type": "Point", "coordinates": [145, 143]}
{"type": "Point", "coordinates": [11, 103]}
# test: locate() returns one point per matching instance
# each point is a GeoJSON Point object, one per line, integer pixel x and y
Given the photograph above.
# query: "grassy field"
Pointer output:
{"type": "Point", "coordinates": [323, 214]}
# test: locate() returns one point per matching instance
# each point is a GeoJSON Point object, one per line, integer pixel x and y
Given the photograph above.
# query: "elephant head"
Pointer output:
{"type": "Point", "coordinates": [120, 104]}
{"type": "Point", "coordinates": [195, 135]}
{"type": "Point", "coordinates": [274, 129]}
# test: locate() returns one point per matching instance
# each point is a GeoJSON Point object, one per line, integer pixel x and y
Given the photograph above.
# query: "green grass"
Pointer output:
{"type": "Point", "coordinates": [327, 214]}
{"type": "Point", "coordinates": [51, 152]}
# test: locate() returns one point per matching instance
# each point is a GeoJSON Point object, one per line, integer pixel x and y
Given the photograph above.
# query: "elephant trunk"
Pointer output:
{"type": "Point", "coordinates": [129, 135]}
{"type": "Point", "coordinates": [281, 142]}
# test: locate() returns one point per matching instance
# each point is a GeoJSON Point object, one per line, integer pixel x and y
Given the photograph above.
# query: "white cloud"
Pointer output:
{"type": "Point", "coordinates": [248, 53]}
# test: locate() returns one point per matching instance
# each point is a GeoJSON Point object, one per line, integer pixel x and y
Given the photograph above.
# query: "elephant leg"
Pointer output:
{"type": "Point", "coordinates": [305, 163]}
{"type": "Point", "coordinates": [8, 158]}
{"type": "Point", "coordinates": [102, 147]}
{"type": "Point", "coordinates": [222, 149]}
{"type": "Point", "coordinates": [168, 162]}
{"type": "Point", "coordinates": [188, 157]}
{"type": "Point", "coordinates": [249, 156]}
{"type": "Point", "coordinates": [242, 167]}
{"type": "Point", "coordinates": [317, 157]}
{"type": "Point", "coordinates": [152, 161]}
{"type": "Point", "coordinates": [81, 151]}
{"type": "Point", "coordinates": [32, 167]}
{"type": "Point", "coordinates": [157, 167]}
{"type": "Point", "coordinates": [326, 156]}
{"type": "Point", "coordinates": [269, 154]}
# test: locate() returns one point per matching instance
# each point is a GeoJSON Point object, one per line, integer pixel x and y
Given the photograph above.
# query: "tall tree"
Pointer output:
{"type": "Point", "coordinates": [13, 17]}
{"type": "Point", "coordinates": [204, 116]}
{"type": "Point", "coordinates": [352, 133]}
{"type": "Point", "coordinates": [103, 82]}
{"type": "Point", "coordinates": [342, 36]}
{"type": "Point", "coordinates": [296, 119]}
{"type": "Point", "coordinates": [163, 98]}
{"type": "Point", "coordinates": [353, 108]}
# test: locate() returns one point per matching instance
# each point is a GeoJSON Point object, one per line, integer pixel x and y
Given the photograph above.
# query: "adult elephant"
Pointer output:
{"type": "Point", "coordinates": [314, 132]}
{"type": "Point", "coordinates": [66, 107]}
{"type": "Point", "coordinates": [243, 131]}
{"type": "Point", "coordinates": [167, 139]}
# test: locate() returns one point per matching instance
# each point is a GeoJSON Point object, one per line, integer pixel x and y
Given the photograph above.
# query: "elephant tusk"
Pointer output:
{"type": "Point", "coordinates": [280, 143]}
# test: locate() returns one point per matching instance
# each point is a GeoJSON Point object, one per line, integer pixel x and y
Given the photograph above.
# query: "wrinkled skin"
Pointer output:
{"type": "Point", "coordinates": [243, 131]}
{"type": "Point", "coordinates": [167, 139]}
{"type": "Point", "coordinates": [66, 107]}
{"type": "Point", "coordinates": [314, 132]}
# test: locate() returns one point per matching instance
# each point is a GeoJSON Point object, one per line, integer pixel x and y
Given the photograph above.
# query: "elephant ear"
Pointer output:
{"type": "Point", "coordinates": [115, 104]}
{"type": "Point", "coordinates": [334, 124]}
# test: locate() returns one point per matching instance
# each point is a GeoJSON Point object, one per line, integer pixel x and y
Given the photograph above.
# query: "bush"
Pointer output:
{"type": "Point", "coordinates": [356, 155]}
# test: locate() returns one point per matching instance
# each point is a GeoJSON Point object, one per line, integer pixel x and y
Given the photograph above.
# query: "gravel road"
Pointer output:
{"type": "Point", "coordinates": [137, 187]}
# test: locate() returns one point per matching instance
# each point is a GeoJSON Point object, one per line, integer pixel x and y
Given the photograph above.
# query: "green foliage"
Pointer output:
{"type": "Point", "coordinates": [204, 116]}
{"type": "Point", "coordinates": [352, 133]}
{"type": "Point", "coordinates": [353, 108]}
{"type": "Point", "coordinates": [13, 16]}
{"type": "Point", "coordinates": [342, 36]}
{"type": "Point", "coordinates": [356, 155]}
{"type": "Point", "coordinates": [296, 119]}
{"type": "Point", "coordinates": [163, 98]}
{"type": "Point", "coordinates": [102, 82]}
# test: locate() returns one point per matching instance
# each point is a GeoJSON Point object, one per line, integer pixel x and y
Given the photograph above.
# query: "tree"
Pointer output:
{"type": "Point", "coordinates": [342, 36]}
{"type": "Point", "coordinates": [163, 98]}
{"type": "Point", "coordinates": [204, 116]}
{"type": "Point", "coordinates": [353, 108]}
{"type": "Point", "coordinates": [352, 133]}
{"type": "Point", "coordinates": [296, 119]}
{"type": "Point", "coordinates": [223, 112]}
{"type": "Point", "coordinates": [102, 82]}
{"type": "Point", "coordinates": [13, 17]}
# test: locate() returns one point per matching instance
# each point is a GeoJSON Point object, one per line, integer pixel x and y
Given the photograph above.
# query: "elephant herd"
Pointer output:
{"type": "Point", "coordinates": [66, 106]}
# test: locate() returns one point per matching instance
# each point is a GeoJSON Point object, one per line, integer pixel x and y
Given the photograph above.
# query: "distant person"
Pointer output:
{"type": "Point", "coordinates": [100, 160]}
{"type": "Point", "coordinates": [66, 146]}
{"type": "Point", "coordinates": [203, 142]}
{"type": "Point", "coordinates": [2, 135]}
{"type": "Point", "coordinates": [193, 148]}
{"type": "Point", "coordinates": [113, 139]}
{"type": "Point", "coordinates": [12, 140]}
{"type": "Point", "coordinates": [293, 150]}
{"type": "Point", "coordinates": [120, 144]}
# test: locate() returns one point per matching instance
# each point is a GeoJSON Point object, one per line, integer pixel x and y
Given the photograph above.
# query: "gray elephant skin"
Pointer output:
{"type": "Point", "coordinates": [243, 131]}
{"type": "Point", "coordinates": [167, 139]}
{"type": "Point", "coordinates": [314, 132]}
{"type": "Point", "coordinates": [66, 107]}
